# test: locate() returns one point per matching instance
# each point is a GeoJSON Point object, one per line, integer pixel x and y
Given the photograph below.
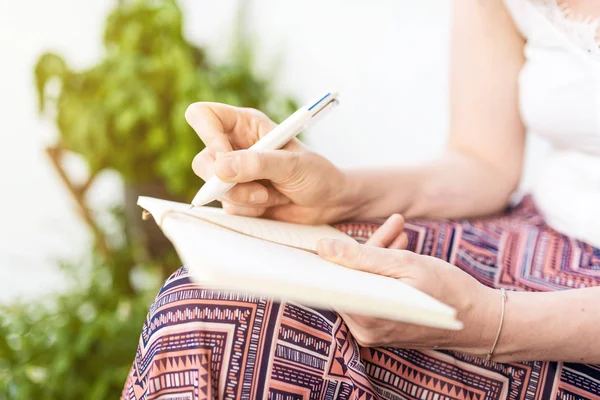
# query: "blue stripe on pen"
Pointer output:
{"type": "Point", "coordinates": [317, 103]}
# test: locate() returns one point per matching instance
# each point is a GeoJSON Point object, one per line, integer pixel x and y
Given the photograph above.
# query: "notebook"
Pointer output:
{"type": "Point", "coordinates": [278, 260]}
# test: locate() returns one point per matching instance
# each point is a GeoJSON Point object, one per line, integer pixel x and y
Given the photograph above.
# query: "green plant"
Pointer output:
{"type": "Point", "coordinates": [79, 344]}
{"type": "Point", "coordinates": [127, 112]}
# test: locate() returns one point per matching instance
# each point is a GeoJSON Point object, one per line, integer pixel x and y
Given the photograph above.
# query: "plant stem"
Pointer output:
{"type": "Point", "coordinates": [78, 192]}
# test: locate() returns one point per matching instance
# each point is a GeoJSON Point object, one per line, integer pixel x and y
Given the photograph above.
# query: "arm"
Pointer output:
{"type": "Point", "coordinates": [554, 326]}
{"type": "Point", "coordinates": [482, 165]}
{"type": "Point", "coordinates": [476, 176]}
{"type": "Point", "coordinates": [559, 326]}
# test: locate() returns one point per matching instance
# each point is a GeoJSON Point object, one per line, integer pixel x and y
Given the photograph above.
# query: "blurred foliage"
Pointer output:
{"type": "Point", "coordinates": [127, 112]}
{"type": "Point", "coordinates": [79, 344]}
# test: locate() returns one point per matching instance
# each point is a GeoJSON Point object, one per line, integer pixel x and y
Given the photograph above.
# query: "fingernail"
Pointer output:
{"type": "Point", "coordinates": [258, 197]}
{"type": "Point", "coordinates": [226, 166]}
{"type": "Point", "coordinates": [329, 247]}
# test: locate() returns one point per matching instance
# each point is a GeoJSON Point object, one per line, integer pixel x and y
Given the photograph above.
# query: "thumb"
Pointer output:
{"type": "Point", "coordinates": [278, 166]}
{"type": "Point", "coordinates": [378, 261]}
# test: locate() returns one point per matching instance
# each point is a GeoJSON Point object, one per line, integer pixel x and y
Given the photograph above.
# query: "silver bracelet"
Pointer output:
{"type": "Point", "coordinates": [504, 299]}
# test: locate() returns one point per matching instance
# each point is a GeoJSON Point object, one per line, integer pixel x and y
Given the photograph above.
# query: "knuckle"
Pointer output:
{"type": "Point", "coordinates": [211, 152]}
{"type": "Point", "coordinates": [253, 112]}
{"type": "Point", "coordinates": [250, 163]}
{"type": "Point", "coordinates": [233, 196]}
{"type": "Point", "coordinates": [258, 117]}
{"type": "Point", "coordinates": [348, 251]}
{"type": "Point", "coordinates": [261, 161]}
{"type": "Point", "coordinates": [238, 194]}
{"type": "Point", "coordinates": [405, 257]}
{"type": "Point", "coordinates": [258, 121]}
{"type": "Point", "coordinates": [360, 254]}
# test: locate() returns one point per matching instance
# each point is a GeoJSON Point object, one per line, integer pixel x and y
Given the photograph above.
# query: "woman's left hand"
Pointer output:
{"type": "Point", "coordinates": [478, 306]}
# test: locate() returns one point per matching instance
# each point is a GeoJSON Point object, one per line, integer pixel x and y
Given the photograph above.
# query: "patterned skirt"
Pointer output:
{"type": "Point", "coordinates": [204, 344]}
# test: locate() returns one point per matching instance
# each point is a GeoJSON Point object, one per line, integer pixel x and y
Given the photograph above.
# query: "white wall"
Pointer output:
{"type": "Point", "coordinates": [37, 222]}
{"type": "Point", "coordinates": [386, 57]}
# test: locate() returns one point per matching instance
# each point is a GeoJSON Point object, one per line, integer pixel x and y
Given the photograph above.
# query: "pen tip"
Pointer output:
{"type": "Point", "coordinates": [202, 199]}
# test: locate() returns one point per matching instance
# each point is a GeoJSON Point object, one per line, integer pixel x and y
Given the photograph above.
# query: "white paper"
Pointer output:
{"type": "Point", "coordinates": [223, 259]}
{"type": "Point", "coordinates": [303, 237]}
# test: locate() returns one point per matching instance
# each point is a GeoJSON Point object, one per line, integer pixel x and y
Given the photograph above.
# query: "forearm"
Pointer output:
{"type": "Point", "coordinates": [453, 186]}
{"type": "Point", "coordinates": [558, 326]}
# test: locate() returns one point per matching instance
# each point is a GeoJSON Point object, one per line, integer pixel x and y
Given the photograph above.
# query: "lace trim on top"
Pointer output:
{"type": "Point", "coordinates": [583, 31]}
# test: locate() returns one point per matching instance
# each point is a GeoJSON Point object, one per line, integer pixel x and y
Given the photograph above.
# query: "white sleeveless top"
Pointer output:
{"type": "Point", "coordinates": [560, 100]}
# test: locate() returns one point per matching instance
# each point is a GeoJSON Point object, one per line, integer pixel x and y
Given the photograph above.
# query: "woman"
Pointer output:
{"type": "Point", "coordinates": [517, 66]}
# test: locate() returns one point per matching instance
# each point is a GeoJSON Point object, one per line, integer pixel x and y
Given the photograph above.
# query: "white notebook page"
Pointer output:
{"type": "Point", "coordinates": [223, 259]}
{"type": "Point", "coordinates": [303, 237]}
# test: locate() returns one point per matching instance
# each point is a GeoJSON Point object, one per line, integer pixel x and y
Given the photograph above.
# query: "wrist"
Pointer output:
{"type": "Point", "coordinates": [358, 196]}
{"type": "Point", "coordinates": [379, 193]}
{"type": "Point", "coordinates": [481, 316]}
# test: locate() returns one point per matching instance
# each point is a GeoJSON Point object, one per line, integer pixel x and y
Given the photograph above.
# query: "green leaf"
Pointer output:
{"type": "Point", "coordinates": [156, 138]}
{"type": "Point", "coordinates": [49, 66]}
{"type": "Point", "coordinates": [125, 121]}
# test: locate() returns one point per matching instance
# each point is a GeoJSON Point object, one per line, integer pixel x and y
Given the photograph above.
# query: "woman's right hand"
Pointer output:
{"type": "Point", "coordinates": [293, 184]}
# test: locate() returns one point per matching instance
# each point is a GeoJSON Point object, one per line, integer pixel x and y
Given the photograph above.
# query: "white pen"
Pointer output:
{"type": "Point", "coordinates": [214, 188]}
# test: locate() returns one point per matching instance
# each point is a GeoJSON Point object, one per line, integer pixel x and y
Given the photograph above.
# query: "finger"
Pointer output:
{"type": "Point", "coordinates": [203, 163]}
{"type": "Point", "coordinates": [260, 125]}
{"type": "Point", "coordinates": [211, 121]}
{"type": "Point", "coordinates": [365, 258]}
{"type": "Point", "coordinates": [278, 166]}
{"type": "Point", "coordinates": [252, 194]}
{"type": "Point", "coordinates": [401, 242]}
{"type": "Point", "coordinates": [350, 321]}
{"type": "Point", "coordinates": [358, 319]}
{"type": "Point", "coordinates": [243, 211]}
{"type": "Point", "coordinates": [387, 233]}
{"type": "Point", "coordinates": [292, 213]}
{"type": "Point", "coordinates": [364, 329]}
